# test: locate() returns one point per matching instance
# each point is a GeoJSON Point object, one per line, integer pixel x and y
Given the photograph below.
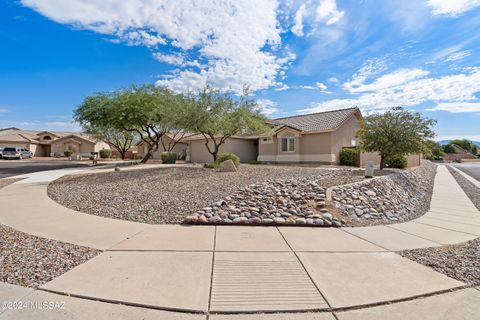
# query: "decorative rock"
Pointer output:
{"type": "Point", "coordinates": [358, 212]}
{"type": "Point", "coordinates": [255, 220]}
{"type": "Point", "coordinates": [279, 220]}
{"type": "Point", "coordinates": [336, 223]}
{"type": "Point", "coordinates": [214, 219]}
{"type": "Point", "coordinates": [267, 221]}
{"type": "Point", "coordinates": [227, 166]}
{"type": "Point", "coordinates": [327, 216]}
{"type": "Point", "coordinates": [300, 221]}
{"type": "Point", "coordinates": [240, 220]}
{"type": "Point", "coordinates": [318, 221]}
{"type": "Point", "coordinates": [191, 219]}
{"type": "Point", "coordinates": [202, 219]}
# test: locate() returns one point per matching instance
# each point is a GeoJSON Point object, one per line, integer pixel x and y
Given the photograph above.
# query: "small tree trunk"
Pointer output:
{"type": "Point", "coordinates": [382, 162]}
{"type": "Point", "coordinates": [148, 155]}
{"type": "Point", "coordinates": [123, 154]}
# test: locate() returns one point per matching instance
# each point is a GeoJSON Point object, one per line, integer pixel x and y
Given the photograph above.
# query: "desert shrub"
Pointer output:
{"type": "Point", "coordinates": [254, 162]}
{"type": "Point", "coordinates": [229, 156]}
{"type": "Point", "coordinates": [105, 153]}
{"type": "Point", "coordinates": [349, 156]}
{"type": "Point", "coordinates": [211, 165]}
{"type": "Point", "coordinates": [396, 161]}
{"type": "Point", "coordinates": [67, 153]}
{"type": "Point", "coordinates": [169, 157]}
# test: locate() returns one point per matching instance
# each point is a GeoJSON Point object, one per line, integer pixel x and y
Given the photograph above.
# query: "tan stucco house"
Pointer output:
{"type": "Point", "coordinates": [50, 143]}
{"type": "Point", "coordinates": [316, 137]}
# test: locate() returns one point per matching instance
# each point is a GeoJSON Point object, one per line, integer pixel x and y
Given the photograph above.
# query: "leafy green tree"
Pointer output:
{"type": "Point", "coordinates": [217, 117]}
{"type": "Point", "coordinates": [94, 118]}
{"type": "Point", "coordinates": [448, 148]}
{"type": "Point", "coordinates": [465, 144]}
{"type": "Point", "coordinates": [395, 132]}
{"type": "Point", "coordinates": [144, 110]}
{"type": "Point", "coordinates": [433, 150]}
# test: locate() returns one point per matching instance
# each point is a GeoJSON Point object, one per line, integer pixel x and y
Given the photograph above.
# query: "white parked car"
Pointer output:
{"type": "Point", "coordinates": [16, 153]}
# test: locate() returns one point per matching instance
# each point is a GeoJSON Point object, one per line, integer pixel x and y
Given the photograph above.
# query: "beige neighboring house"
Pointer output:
{"type": "Point", "coordinates": [316, 137]}
{"type": "Point", "coordinates": [50, 143]}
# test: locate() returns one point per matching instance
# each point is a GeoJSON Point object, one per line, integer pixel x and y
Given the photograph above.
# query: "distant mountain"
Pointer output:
{"type": "Point", "coordinates": [443, 142]}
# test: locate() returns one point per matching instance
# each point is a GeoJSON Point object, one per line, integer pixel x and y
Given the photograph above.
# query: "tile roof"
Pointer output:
{"type": "Point", "coordinates": [18, 135]}
{"type": "Point", "coordinates": [315, 121]}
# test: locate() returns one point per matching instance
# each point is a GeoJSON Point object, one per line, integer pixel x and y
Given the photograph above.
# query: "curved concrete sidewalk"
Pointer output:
{"type": "Point", "coordinates": [224, 269]}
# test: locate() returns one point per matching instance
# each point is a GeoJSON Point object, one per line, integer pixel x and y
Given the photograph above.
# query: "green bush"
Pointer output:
{"type": "Point", "coordinates": [254, 162]}
{"type": "Point", "coordinates": [229, 156]}
{"type": "Point", "coordinates": [396, 161]}
{"type": "Point", "coordinates": [169, 157]}
{"type": "Point", "coordinates": [349, 156]}
{"type": "Point", "coordinates": [68, 153]}
{"type": "Point", "coordinates": [211, 165]}
{"type": "Point", "coordinates": [105, 153]}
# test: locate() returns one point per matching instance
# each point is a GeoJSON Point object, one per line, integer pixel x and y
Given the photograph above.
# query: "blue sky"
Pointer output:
{"type": "Point", "coordinates": [296, 56]}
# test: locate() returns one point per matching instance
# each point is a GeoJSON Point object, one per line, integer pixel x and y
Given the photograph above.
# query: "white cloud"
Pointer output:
{"type": "Point", "coordinates": [460, 89]}
{"type": "Point", "coordinates": [389, 80]}
{"type": "Point", "coordinates": [333, 80]}
{"type": "Point", "coordinates": [240, 40]}
{"type": "Point", "coordinates": [3, 110]}
{"type": "Point", "coordinates": [369, 69]}
{"type": "Point", "coordinates": [297, 28]}
{"type": "Point", "coordinates": [458, 55]}
{"type": "Point", "coordinates": [452, 7]}
{"type": "Point", "coordinates": [313, 14]}
{"type": "Point", "coordinates": [176, 60]}
{"type": "Point", "coordinates": [283, 87]}
{"type": "Point", "coordinates": [318, 86]}
{"type": "Point", "coordinates": [267, 106]}
{"type": "Point", "coordinates": [327, 11]}
{"type": "Point", "coordinates": [457, 107]}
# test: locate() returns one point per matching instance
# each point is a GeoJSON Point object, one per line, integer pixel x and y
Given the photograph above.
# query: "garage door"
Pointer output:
{"type": "Point", "coordinates": [14, 145]}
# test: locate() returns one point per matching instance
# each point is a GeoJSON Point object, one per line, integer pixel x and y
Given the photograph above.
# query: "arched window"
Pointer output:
{"type": "Point", "coordinates": [47, 138]}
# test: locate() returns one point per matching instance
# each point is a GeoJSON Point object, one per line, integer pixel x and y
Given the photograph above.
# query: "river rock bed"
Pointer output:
{"type": "Point", "coordinates": [298, 201]}
{"type": "Point", "coordinates": [388, 199]}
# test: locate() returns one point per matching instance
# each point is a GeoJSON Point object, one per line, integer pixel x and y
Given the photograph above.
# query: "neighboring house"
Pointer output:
{"type": "Point", "coordinates": [459, 154]}
{"type": "Point", "coordinates": [316, 137]}
{"type": "Point", "coordinates": [50, 143]}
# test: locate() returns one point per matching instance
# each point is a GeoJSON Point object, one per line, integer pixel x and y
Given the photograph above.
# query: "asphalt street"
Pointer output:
{"type": "Point", "coordinates": [472, 169]}
{"type": "Point", "coordinates": [10, 168]}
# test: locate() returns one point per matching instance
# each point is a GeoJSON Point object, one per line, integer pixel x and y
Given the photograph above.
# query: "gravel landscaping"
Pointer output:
{"type": "Point", "coordinates": [459, 261]}
{"type": "Point", "coordinates": [389, 199]}
{"type": "Point", "coordinates": [168, 195]}
{"type": "Point", "coordinates": [31, 261]}
{"type": "Point", "coordinates": [298, 201]}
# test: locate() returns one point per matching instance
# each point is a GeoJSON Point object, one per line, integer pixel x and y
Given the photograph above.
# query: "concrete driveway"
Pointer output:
{"type": "Point", "coordinates": [10, 168]}
{"type": "Point", "coordinates": [472, 169]}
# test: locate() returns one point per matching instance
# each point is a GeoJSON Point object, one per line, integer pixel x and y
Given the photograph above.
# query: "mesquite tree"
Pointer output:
{"type": "Point", "coordinates": [395, 132]}
{"type": "Point", "coordinates": [218, 116]}
{"type": "Point", "coordinates": [146, 111]}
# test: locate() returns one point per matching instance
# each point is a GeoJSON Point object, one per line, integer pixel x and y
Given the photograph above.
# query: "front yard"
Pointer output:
{"type": "Point", "coordinates": [168, 195]}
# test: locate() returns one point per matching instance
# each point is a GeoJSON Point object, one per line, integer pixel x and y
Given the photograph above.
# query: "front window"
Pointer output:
{"type": "Point", "coordinates": [288, 144]}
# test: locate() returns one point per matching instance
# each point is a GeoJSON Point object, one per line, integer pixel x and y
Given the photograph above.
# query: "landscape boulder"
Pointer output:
{"type": "Point", "coordinates": [227, 166]}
